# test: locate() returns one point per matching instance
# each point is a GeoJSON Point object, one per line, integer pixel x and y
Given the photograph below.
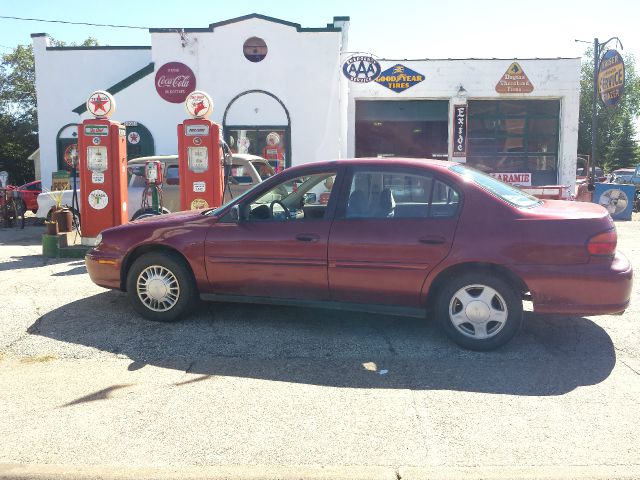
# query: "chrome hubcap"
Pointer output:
{"type": "Point", "coordinates": [158, 288]}
{"type": "Point", "coordinates": [478, 311]}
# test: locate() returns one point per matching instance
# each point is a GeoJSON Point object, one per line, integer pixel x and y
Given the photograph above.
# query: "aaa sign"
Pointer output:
{"type": "Point", "coordinates": [611, 78]}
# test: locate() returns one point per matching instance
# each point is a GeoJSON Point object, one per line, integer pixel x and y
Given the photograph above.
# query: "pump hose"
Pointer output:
{"type": "Point", "coordinates": [75, 203]}
{"type": "Point", "coordinates": [226, 157]}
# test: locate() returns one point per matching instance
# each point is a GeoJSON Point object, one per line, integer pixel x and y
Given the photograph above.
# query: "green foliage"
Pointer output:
{"type": "Point", "coordinates": [18, 111]}
{"type": "Point", "coordinates": [617, 146]}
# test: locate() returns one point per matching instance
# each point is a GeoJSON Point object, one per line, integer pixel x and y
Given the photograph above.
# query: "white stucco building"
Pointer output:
{"type": "Point", "coordinates": [325, 102]}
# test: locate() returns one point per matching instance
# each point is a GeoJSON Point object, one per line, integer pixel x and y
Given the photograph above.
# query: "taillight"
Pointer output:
{"type": "Point", "coordinates": [603, 244]}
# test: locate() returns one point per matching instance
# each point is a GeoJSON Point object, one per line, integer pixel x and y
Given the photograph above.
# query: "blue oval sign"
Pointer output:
{"type": "Point", "coordinates": [361, 69]}
{"type": "Point", "coordinates": [611, 78]}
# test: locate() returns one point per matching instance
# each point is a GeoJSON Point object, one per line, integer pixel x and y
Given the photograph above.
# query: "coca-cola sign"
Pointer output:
{"type": "Point", "coordinates": [174, 81]}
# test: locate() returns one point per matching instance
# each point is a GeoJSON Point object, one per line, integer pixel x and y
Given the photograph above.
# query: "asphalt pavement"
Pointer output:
{"type": "Point", "coordinates": [90, 390]}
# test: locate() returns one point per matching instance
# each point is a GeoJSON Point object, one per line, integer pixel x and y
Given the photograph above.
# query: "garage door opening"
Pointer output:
{"type": "Point", "coordinates": [412, 128]}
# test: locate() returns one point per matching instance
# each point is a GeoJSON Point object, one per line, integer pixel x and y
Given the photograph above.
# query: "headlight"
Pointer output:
{"type": "Point", "coordinates": [99, 239]}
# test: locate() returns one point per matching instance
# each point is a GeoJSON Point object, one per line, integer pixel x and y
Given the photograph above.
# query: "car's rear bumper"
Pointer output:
{"type": "Point", "coordinates": [588, 289]}
{"type": "Point", "coordinates": [103, 270]}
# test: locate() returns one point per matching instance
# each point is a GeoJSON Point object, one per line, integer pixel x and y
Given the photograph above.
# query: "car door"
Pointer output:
{"type": "Point", "coordinates": [278, 248]}
{"type": "Point", "coordinates": [391, 228]}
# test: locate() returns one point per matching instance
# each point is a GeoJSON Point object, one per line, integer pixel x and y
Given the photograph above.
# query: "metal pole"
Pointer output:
{"type": "Point", "coordinates": [594, 114]}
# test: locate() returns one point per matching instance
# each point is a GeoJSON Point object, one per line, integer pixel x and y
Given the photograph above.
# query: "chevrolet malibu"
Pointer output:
{"type": "Point", "coordinates": [401, 236]}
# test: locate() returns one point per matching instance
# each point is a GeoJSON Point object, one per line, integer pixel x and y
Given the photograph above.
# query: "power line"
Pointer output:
{"type": "Point", "coordinates": [73, 23]}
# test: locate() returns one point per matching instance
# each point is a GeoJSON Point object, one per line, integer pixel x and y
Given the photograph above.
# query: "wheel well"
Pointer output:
{"type": "Point", "coordinates": [490, 268]}
{"type": "Point", "coordinates": [141, 250]}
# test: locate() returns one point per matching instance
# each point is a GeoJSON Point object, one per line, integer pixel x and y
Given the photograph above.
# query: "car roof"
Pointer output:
{"type": "Point", "coordinates": [165, 158]}
{"type": "Point", "coordinates": [387, 161]}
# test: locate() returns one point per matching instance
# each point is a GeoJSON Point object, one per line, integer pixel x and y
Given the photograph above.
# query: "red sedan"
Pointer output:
{"type": "Point", "coordinates": [401, 236]}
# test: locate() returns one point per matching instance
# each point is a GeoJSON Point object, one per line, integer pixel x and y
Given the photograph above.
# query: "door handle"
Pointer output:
{"type": "Point", "coordinates": [432, 240]}
{"type": "Point", "coordinates": [307, 237]}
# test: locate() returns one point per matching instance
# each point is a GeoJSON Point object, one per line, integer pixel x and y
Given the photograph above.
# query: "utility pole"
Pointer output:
{"type": "Point", "coordinates": [597, 50]}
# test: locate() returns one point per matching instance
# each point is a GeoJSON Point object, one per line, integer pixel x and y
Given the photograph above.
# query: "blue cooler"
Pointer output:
{"type": "Point", "coordinates": [616, 198]}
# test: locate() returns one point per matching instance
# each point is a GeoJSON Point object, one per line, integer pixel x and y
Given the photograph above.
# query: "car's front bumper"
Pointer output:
{"type": "Point", "coordinates": [588, 289]}
{"type": "Point", "coordinates": [103, 270]}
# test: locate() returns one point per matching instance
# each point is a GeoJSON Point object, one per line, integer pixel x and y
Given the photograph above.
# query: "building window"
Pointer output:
{"type": "Point", "coordinates": [255, 49]}
{"type": "Point", "coordinates": [515, 136]}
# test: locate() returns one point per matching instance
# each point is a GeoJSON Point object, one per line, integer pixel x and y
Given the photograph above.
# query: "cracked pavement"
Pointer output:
{"type": "Point", "coordinates": [85, 382]}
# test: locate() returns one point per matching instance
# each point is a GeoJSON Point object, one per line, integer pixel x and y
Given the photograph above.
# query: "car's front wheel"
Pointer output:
{"type": "Point", "coordinates": [160, 287]}
{"type": "Point", "coordinates": [479, 311]}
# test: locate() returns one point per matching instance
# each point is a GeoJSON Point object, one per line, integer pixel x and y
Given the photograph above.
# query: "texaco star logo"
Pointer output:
{"type": "Point", "coordinates": [133, 138]}
{"type": "Point", "coordinates": [101, 104]}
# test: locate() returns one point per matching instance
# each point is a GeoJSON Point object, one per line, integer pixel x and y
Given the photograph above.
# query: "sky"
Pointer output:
{"type": "Point", "coordinates": [398, 30]}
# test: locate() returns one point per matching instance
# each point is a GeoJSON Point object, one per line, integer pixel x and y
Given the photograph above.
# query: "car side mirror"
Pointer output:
{"type": "Point", "coordinates": [235, 214]}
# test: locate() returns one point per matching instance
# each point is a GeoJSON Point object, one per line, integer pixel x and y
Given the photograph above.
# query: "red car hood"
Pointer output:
{"type": "Point", "coordinates": [171, 217]}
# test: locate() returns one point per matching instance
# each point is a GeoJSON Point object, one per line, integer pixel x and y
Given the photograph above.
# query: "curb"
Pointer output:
{"type": "Point", "coordinates": [15, 471]}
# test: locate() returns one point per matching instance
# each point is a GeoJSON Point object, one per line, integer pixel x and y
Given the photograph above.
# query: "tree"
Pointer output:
{"type": "Point", "coordinates": [18, 111]}
{"type": "Point", "coordinates": [617, 145]}
{"type": "Point", "coordinates": [622, 151]}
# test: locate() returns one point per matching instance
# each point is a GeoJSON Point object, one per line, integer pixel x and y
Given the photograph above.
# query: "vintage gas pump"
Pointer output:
{"type": "Point", "coordinates": [200, 156]}
{"type": "Point", "coordinates": [153, 177]}
{"type": "Point", "coordinates": [103, 169]}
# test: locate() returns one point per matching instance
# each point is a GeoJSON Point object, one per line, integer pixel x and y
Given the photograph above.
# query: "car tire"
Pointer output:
{"type": "Point", "coordinates": [479, 310]}
{"type": "Point", "coordinates": [160, 286]}
{"type": "Point", "coordinates": [148, 213]}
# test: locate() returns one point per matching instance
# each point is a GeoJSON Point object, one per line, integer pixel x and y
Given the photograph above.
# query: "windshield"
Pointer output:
{"type": "Point", "coordinates": [502, 190]}
{"type": "Point", "coordinates": [214, 211]}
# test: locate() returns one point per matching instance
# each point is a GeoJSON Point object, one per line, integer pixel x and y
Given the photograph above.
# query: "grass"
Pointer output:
{"type": "Point", "coordinates": [38, 359]}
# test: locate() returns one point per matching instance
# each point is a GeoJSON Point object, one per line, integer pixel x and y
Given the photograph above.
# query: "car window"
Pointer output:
{"type": "Point", "coordinates": [300, 198]}
{"type": "Point", "coordinates": [173, 175]}
{"type": "Point", "coordinates": [136, 176]}
{"type": "Point", "coordinates": [375, 194]}
{"type": "Point", "coordinates": [241, 174]}
{"type": "Point", "coordinates": [264, 169]}
{"type": "Point", "coordinates": [34, 187]}
{"type": "Point", "coordinates": [502, 190]}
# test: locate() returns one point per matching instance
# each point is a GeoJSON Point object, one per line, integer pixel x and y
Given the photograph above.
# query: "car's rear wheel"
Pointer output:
{"type": "Point", "coordinates": [161, 287]}
{"type": "Point", "coordinates": [479, 311]}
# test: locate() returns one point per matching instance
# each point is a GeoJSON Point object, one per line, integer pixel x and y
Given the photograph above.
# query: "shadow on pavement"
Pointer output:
{"type": "Point", "coordinates": [550, 355]}
{"type": "Point", "coordinates": [30, 235]}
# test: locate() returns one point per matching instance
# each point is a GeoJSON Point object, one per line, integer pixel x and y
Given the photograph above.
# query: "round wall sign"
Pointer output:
{"type": "Point", "coordinates": [98, 199]}
{"type": "Point", "coordinates": [361, 69]}
{"type": "Point", "coordinates": [198, 104]}
{"type": "Point", "coordinates": [174, 81]}
{"type": "Point", "coordinates": [133, 138]}
{"type": "Point", "coordinates": [101, 104]}
{"type": "Point", "coordinates": [611, 78]}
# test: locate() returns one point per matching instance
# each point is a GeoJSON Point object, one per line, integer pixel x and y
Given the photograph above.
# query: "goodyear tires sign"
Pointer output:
{"type": "Point", "coordinates": [365, 69]}
{"type": "Point", "coordinates": [611, 78]}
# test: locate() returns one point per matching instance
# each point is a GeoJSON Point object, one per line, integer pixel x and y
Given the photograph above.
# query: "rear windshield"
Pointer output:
{"type": "Point", "coordinates": [502, 190]}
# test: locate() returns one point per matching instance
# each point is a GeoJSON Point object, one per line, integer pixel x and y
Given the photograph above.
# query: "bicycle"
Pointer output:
{"type": "Point", "coordinates": [12, 208]}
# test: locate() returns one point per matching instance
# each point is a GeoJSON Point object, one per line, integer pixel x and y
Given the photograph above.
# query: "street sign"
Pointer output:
{"type": "Point", "coordinates": [611, 78]}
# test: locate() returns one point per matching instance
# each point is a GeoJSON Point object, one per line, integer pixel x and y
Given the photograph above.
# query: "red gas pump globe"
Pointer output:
{"type": "Point", "coordinates": [102, 152]}
{"type": "Point", "coordinates": [200, 156]}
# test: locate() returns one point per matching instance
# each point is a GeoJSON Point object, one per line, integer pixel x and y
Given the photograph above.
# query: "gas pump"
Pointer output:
{"type": "Point", "coordinates": [153, 188]}
{"type": "Point", "coordinates": [200, 156]}
{"type": "Point", "coordinates": [273, 152]}
{"type": "Point", "coordinates": [102, 152]}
